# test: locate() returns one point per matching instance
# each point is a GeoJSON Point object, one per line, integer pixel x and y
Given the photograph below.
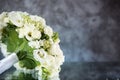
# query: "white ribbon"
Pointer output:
{"type": "Point", "coordinates": [7, 62]}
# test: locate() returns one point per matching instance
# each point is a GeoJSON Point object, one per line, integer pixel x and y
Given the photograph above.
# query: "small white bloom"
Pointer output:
{"type": "Point", "coordinates": [54, 74]}
{"type": "Point", "coordinates": [6, 20]}
{"type": "Point", "coordinates": [2, 17]}
{"type": "Point", "coordinates": [4, 49]}
{"type": "Point", "coordinates": [28, 31]}
{"type": "Point", "coordinates": [51, 41]}
{"type": "Point", "coordinates": [59, 60]}
{"type": "Point", "coordinates": [49, 61]}
{"type": "Point", "coordinates": [41, 42]}
{"type": "Point", "coordinates": [34, 44]}
{"type": "Point", "coordinates": [38, 19]}
{"type": "Point", "coordinates": [36, 34]}
{"type": "Point", "coordinates": [39, 55]}
{"type": "Point", "coordinates": [15, 18]}
{"type": "Point", "coordinates": [22, 32]}
{"type": "Point", "coordinates": [55, 49]}
{"type": "Point", "coordinates": [31, 32]}
{"type": "Point", "coordinates": [54, 77]}
{"type": "Point", "coordinates": [57, 53]}
{"type": "Point", "coordinates": [39, 74]}
{"type": "Point", "coordinates": [48, 30]}
{"type": "Point", "coordinates": [4, 14]}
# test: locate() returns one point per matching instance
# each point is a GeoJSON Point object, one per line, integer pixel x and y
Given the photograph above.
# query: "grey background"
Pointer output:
{"type": "Point", "coordinates": [89, 29]}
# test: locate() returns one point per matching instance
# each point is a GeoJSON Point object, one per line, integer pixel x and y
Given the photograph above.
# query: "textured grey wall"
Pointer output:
{"type": "Point", "coordinates": [89, 29]}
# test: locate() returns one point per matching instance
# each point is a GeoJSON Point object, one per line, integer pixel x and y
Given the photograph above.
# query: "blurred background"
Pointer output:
{"type": "Point", "coordinates": [89, 29]}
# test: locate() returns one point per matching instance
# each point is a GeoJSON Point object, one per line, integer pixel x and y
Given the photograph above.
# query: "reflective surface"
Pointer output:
{"type": "Point", "coordinates": [75, 71]}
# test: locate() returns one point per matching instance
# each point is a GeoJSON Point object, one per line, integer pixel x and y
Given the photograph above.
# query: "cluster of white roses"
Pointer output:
{"type": "Point", "coordinates": [30, 27]}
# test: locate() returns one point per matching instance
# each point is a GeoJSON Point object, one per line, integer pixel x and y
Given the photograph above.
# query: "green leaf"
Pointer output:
{"type": "Point", "coordinates": [19, 75]}
{"type": "Point", "coordinates": [55, 36]}
{"type": "Point", "coordinates": [11, 39]}
{"type": "Point", "coordinates": [22, 55]}
{"type": "Point", "coordinates": [19, 46]}
{"type": "Point", "coordinates": [44, 36]}
{"type": "Point", "coordinates": [28, 63]}
{"type": "Point", "coordinates": [27, 60]}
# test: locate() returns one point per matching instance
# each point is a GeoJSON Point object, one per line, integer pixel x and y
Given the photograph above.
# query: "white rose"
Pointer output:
{"type": "Point", "coordinates": [41, 42]}
{"type": "Point", "coordinates": [6, 20]}
{"type": "Point", "coordinates": [55, 49]}
{"type": "Point", "coordinates": [59, 60]}
{"type": "Point", "coordinates": [48, 30]}
{"type": "Point", "coordinates": [36, 34]}
{"type": "Point", "coordinates": [31, 32]}
{"type": "Point", "coordinates": [37, 18]}
{"type": "Point", "coordinates": [15, 18]}
{"type": "Point", "coordinates": [22, 32]}
{"type": "Point", "coordinates": [57, 53]}
{"type": "Point", "coordinates": [2, 17]}
{"type": "Point", "coordinates": [34, 44]}
{"type": "Point", "coordinates": [39, 55]}
{"type": "Point", "coordinates": [54, 78]}
{"type": "Point", "coordinates": [49, 61]}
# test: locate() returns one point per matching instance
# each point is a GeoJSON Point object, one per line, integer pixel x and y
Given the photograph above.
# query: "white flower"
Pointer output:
{"type": "Point", "coordinates": [55, 49]}
{"type": "Point", "coordinates": [38, 19]}
{"type": "Point", "coordinates": [39, 74]}
{"type": "Point", "coordinates": [51, 41]}
{"type": "Point", "coordinates": [49, 61]}
{"type": "Point", "coordinates": [16, 18]}
{"type": "Point", "coordinates": [48, 30]}
{"type": "Point", "coordinates": [32, 35]}
{"type": "Point", "coordinates": [2, 17]}
{"type": "Point", "coordinates": [54, 78]}
{"type": "Point", "coordinates": [4, 49]}
{"type": "Point", "coordinates": [22, 32]}
{"type": "Point", "coordinates": [57, 53]}
{"type": "Point", "coordinates": [29, 31]}
{"type": "Point", "coordinates": [39, 55]}
{"type": "Point", "coordinates": [41, 42]}
{"type": "Point", "coordinates": [44, 58]}
{"type": "Point", "coordinates": [6, 20]}
{"type": "Point", "coordinates": [36, 34]}
{"type": "Point", "coordinates": [34, 44]}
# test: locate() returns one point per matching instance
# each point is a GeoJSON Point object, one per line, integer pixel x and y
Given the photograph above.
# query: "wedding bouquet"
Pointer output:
{"type": "Point", "coordinates": [33, 42]}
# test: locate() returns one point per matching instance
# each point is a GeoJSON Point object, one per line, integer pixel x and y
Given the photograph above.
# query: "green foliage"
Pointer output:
{"type": "Point", "coordinates": [44, 36]}
{"type": "Point", "coordinates": [19, 46]}
{"type": "Point", "coordinates": [13, 42]}
{"type": "Point", "coordinates": [55, 36]}
{"type": "Point", "coordinates": [45, 74]}
{"type": "Point", "coordinates": [18, 75]}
